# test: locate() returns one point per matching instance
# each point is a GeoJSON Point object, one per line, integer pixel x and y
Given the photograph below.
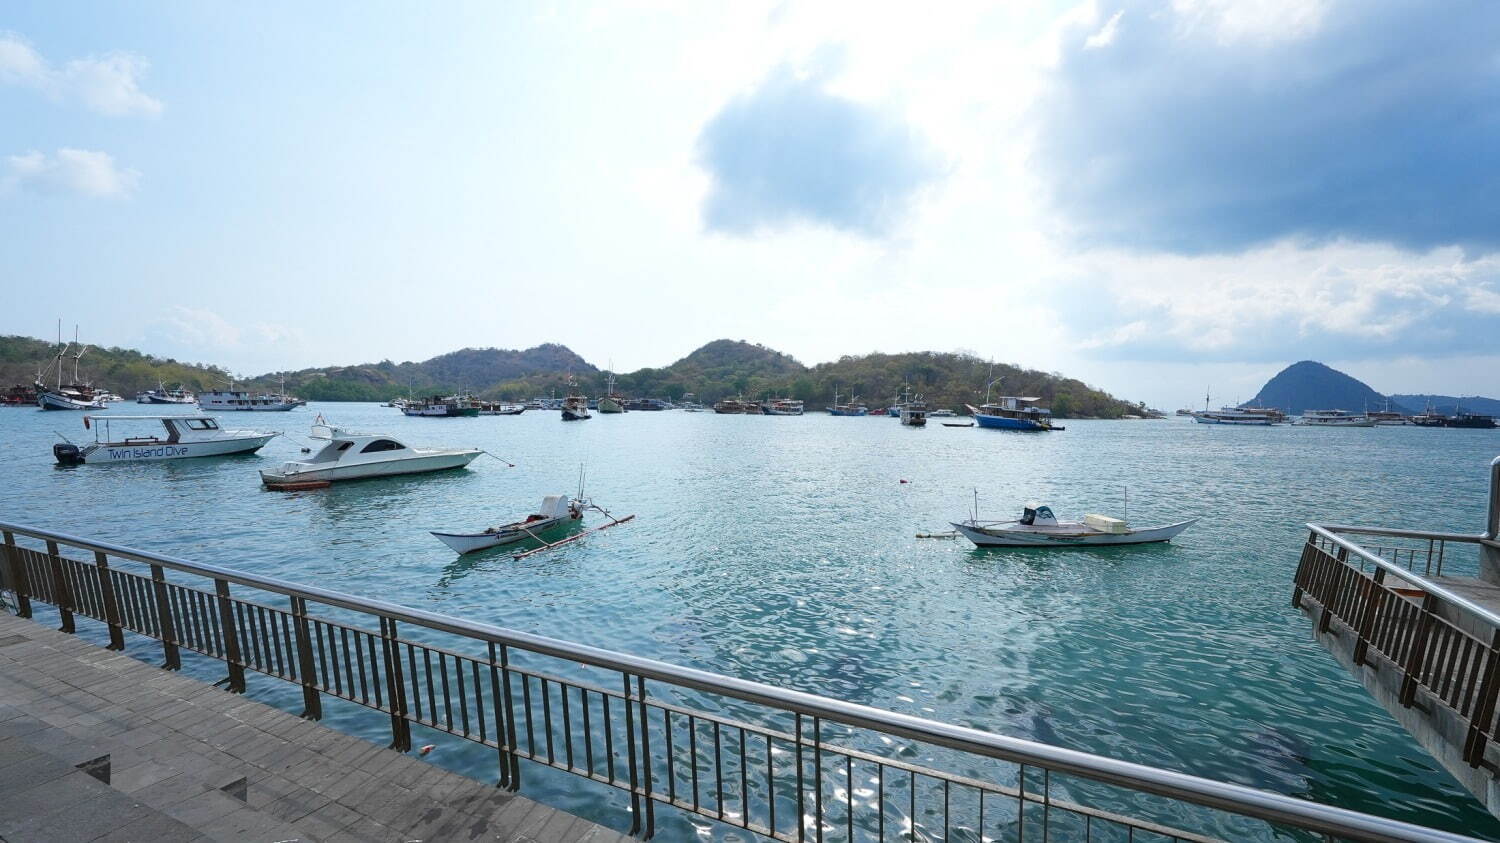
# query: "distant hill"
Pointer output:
{"type": "Point", "coordinates": [122, 370]}
{"type": "Point", "coordinates": [1309, 385]}
{"type": "Point", "coordinates": [1450, 404]}
{"type": "Point", "coordinates": [720, 369]}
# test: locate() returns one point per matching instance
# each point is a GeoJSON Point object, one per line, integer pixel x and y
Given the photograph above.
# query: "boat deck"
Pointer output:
{"type": "Point", "coordinates": [95, 745]}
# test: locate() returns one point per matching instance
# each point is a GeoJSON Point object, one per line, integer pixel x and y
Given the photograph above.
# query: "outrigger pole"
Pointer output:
{"type": "Point", "coordinates": [572, 538]}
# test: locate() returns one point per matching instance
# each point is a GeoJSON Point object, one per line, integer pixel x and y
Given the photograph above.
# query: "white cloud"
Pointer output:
{"type": "Point", "coordinates": [80, 171]}
{"type": "Point", "coordinates": [108, 84]}
{"type": "Point", "coordinates": [1106, 34]}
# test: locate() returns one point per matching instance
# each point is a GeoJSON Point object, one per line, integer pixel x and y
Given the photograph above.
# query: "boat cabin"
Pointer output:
{"type": "Point", "coordinates": [344, 445]}
{"type": "Point", "coordinates": [130, 431]}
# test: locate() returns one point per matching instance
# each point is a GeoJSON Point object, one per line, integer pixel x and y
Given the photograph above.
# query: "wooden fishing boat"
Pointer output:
{"type": "Point", "coordinates": [556, 511]}
{"type": "Point", "coordinates": [1038, 527]}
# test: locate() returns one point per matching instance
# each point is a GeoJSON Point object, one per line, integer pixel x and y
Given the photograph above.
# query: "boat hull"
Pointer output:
{"type": "Point", "coordinates": [107, 452]}
{"type": "Point", "coordinates": [509, 534]}
{"type": "Point", "coordinates": [1206, 419]}
{"type": "Point", "coordinates": [56, 401]}
{"type": "Point", "coordinates": [1026, 538]}
{"type": "Point", "coordinates": [364, 471]}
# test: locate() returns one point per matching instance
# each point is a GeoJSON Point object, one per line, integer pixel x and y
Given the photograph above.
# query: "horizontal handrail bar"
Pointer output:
{"type": "Point", "coordinates": [1467, 538]}
{"type": "Point", "coordinates": [1457, 600]}
{"type": "Point", "coordinates": [1233, 798]}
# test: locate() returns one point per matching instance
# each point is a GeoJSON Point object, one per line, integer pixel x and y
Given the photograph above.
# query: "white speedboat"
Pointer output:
{"type": "Point", "coordinates": [355, 456]}
{"type": "Point", "coordinates": [135, 439]}
{"type": "Point", "coordinates": [556, 511]}
{"type": "Point", "coordinates": [1038, 527]}
{"type": "Point", "coordinates": [1334, 418]}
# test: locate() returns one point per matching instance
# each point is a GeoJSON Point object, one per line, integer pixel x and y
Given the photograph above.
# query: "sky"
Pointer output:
{"type": "Point", "coordinates": [1160, 198]}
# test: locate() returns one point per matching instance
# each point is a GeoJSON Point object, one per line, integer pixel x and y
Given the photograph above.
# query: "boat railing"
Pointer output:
{"type": "Point", "coordinates": [784, 764]}
{"type": "Point", "coordinates": [1443, 646]}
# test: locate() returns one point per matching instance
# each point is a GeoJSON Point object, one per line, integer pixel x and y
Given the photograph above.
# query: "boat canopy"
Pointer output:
{"type": "Point", "coordinates": [1037, 515]}
{"type": "Point", "coordinates": [554, 506]}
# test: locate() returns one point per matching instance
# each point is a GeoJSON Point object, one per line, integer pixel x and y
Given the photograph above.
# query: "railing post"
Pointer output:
{"type": "Point", "coordinates": [231, 638]}
{"type": "Point", "coordinates": [630, 750]}
{"type": "Point", "coordinates": [1417, 658]}
{"type": "Point", "coordinates": [1484, 710]}
{"type": "Point", "coordinates": [17, 577]}
{"type": "Point", "coordinates": [111, 605]}
{"type": "Point", "coordinates": [307, 671]}
{"type": "Point", "coordinates": [60, 589]}
{"type": "Point", "coordinates": [164, 622]}
{"type": "Point", "coordinates": [510, 716]}
{"type": "Point", "coordinates": [650, 830]}
{"type": "Point", "coordinates": [1372, 597]}
{"type": "Point", "coordinates": [501, 716]}
{"type": "Point", "coordinates": [395, 687]}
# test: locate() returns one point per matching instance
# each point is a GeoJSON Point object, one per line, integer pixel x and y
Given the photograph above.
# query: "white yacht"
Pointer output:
{"type": "Point", "coordinates": [163, 395]}
{"type": "Point", "coordinates": [136, 439]}
{"type": "Point", "coordinates": [354, 456]}
{"type": "Point", "coordinates": [1334, 418]}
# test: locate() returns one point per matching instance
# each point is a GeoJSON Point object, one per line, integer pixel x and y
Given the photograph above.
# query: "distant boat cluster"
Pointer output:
{"type": "Point", "coordinates": [1267, 416]}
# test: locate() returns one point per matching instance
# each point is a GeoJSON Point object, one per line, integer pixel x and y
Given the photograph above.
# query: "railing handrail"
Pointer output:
{"type": "Point", "coordinates": [1237, 799]}
{"type": "Point", "coordinates": [1468, 538]}
{"type": "Point", "coordinates": [1427, 585]}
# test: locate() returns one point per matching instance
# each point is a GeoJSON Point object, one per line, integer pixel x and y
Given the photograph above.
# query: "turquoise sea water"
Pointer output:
{"type": "Point", "coordinates": [784, 550]}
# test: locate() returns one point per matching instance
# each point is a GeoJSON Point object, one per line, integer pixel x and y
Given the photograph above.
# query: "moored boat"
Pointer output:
{"type": "Point", "coordinates": [575, 408]}
{"type": "Point", "coordinates": [1012, 412]}
{"type": "Point", "coordinates": [1334, 418]}
{"type": "Point", "coordinates": [1038, 527]}
{"type": "Point", "coordinates": [241, 401]}
{"type": "Point", "coordinates": [556, 511]}
{"type": "Point", "coordinates": [611, 402]}
{"type": "Point", "coordinates": [163, 395]}
{"type": "Point", "coordinates": [442, 407]}
{"type": "Point", "coordinates": [852, 408]}
{"type": "Point", "coordinates": [357, 456]}
{"type": "Point", "coordinates": [121, 439]}
{"type": "Point", "coordinates": [782, 407]}
{"type": "Point", "coordinates": [914, 413]}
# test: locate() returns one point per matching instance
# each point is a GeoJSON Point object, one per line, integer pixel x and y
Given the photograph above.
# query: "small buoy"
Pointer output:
{"type": "Point", "coordinates": [426, 749]}
{"type": "Point", "coordinates": [905, 481]}
{"type": "Point", "coordinates": [307, 450]}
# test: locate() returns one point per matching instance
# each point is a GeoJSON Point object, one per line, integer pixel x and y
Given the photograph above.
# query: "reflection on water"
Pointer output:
{"type": "Point", "coordinates": [784, 550]}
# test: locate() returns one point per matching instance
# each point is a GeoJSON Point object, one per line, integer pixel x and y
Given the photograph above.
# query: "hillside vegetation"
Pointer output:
{"type": "Point", "coordinates": [122, 370]}
{"type": "Point", "coordinates": [720, 369]}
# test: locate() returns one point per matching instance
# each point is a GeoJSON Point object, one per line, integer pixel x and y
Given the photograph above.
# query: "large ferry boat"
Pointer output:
{"type": "Point", "coordinates": [239, 400]}
{"type": "Point", "coordinates": [1334, 418]}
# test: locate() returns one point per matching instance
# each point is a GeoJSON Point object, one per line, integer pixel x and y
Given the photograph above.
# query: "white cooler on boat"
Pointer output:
{"type": "Point", "coordinates": [1106, 524]}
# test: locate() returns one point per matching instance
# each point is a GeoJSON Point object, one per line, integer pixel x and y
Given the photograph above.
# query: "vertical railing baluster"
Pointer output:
{"type": "Point", "coordinates": [231, 638]}
{"type": "Point", "coordinates": [849, 795]}
{"type": "Point", "coordinates": [567, 713]}
{"type": "Point", "coordinates": [547, 721]}
{"type": "Point", "coordinates": [718, 772]}
{"type": "Point", "coordinates": [1415, 661]}
{"type": "Point", "coordinates": [801, 781]}
{"type": "Point", "coordinates": [62, 594]}
{"type": "Point", "coordinates": [463, 694]}
{"type": "Point", "coordinates": [110, 601]}
{"type": "Point", "coordinates": [1046, 802]}
{"type": "Point", "coordinates": [693, 756]}
{"type": "Point", "coordinates": [817, 725]}
{"type": "Point", "coordinates": [415, 698]}
{"type": "Point", "coordinates": [510, 719]}
{"type": "Point", "coordinates": [744, 780]}
{"type": "Point", "coordinates": [666, 727]}
{"type": "Point", "coordinates": [609, 738]}
{"type": "Point", "coordinates": [525, 706]}
{"type": "Point", "coordinates": [17, 580]}
{"type": "Point", "coordinates": [1484, 713]}
{"type": "Point", "coordinates": [640, 689]}
{"type": "Point", "coordinates": [770, 785]}
{"type": "Point", "coordinates": [495, 697]}
{"type": "Point", "coordinates": [307, 671]}
{"type": "Point", "coordinates": [165, 624]}
{"type": "Point", "coordinates": [880, 806]}
{"type": "Point", "coordinates": [478, 700]}
{"type": "Point", "coordinates": [630, 752]}
{"type": "Point", "coordinates": [1021, 803]}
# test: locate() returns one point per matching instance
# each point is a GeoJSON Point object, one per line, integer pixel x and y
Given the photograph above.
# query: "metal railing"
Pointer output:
{"type": "Point", "coordinates": [783, 764]}
{"type": "Point", "coordinates": [1398, 614]}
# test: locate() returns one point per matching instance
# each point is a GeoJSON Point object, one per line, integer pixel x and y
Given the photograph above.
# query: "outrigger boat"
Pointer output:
{"type": "Point", "coordinates": [185, 436]}
{"type": "Point", "coordinates": [1038, 527]}
{"type": "Point", "coordinates": [556, 511]}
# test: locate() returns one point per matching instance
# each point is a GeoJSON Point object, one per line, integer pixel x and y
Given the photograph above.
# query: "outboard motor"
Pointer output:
{"type": "Point", "coordinates": [67, 454]}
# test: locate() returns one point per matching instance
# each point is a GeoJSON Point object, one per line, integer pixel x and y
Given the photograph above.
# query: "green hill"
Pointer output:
{"type": "Point", "coordinates": [122, 370]}
{"type": "Point", "coordinates": [720, 369]}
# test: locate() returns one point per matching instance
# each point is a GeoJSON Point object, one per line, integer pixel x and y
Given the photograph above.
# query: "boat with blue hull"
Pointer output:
{"type": "Point", "coordinates": [1013, 413]}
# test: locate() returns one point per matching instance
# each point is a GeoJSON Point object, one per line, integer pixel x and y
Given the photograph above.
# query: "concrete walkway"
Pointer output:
{"type": "Point", "coordinates": [95, 745]}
